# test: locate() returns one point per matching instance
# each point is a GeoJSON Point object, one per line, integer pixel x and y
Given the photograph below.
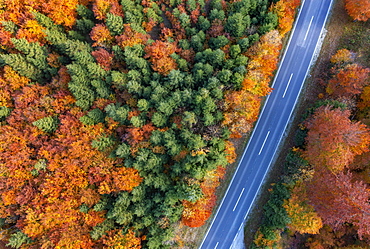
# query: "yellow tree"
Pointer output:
{"type": "Point", "coordinates": [303, 217]}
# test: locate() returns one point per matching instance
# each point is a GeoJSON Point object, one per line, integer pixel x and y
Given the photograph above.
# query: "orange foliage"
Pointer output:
{"type": "Point", "coordinates": [104, 58]}
{"type": "Point", "coordinates": [101, 35]}
{"type": "Point", "coordinates": [338, 199]}
{"type": "Point", "coordinates": [303, 217]}
{"type": "Point", "coordinates": [348, 81]}
{"type": "Point", "coordinates": [131, 37]}
{"type": "Point", "coordinates": [365, 98]}
{"type": "Point", "coordinates": [341, 56]}
{"type": "Point", "coordinates": [333, 140]}
{"type": "Point", "coordinates": [62, 12]}
{"type": "Point", "coordinates": [102, 7]}
{"type": "Point", "coordinates": [13, 79]}
{"type": "Point", "coordinates": [119, 179]}
{"type": "Point", "coordinates": [47, 177]}
{"type": "Point", "coordinates": [285, 10]}
{"type": "Point", "coordinates": [159, 55]}
{"type": "Point", "coordinates": [116, 239]}
{"type": "Point", "coordinates": [358, 9]}
{"type": "Point", "coordinates": [241, 111]}
{"type": "Point", "coordinates": [263, 62]}
{"type": "Point", "coordinates": [134, 135]}
{"type": "Point", "coordinates": [32, 31]}
{"type": "Point", "coordinates": [230, 152]}
{"type": "Point", "coordinates": [5, 38]}
{"type": "Point", "coordinates": [195, 214]}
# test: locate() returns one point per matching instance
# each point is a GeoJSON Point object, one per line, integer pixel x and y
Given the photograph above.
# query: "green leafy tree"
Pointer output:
{"type": "Point", "coordinates": [48, 124]}
{"type": "Point", "coordinates": [236, 24]}
{"type": "Point", "coordinates": [114, 24]}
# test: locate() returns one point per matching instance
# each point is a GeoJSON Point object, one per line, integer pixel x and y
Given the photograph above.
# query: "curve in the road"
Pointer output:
{"type": "Point", "coordinates": [270, 127]}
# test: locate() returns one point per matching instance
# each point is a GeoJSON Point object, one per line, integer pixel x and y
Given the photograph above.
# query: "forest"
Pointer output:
{"type": "Point", "coordinates": [117, 118]}
{"type": "Point", "coordinates": [322, 199]}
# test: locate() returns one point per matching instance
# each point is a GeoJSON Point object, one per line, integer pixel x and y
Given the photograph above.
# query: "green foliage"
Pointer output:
{"type": "Point", "coordinates": [143, 105]}
{"type": "Point", "coordinates": [20, 64]}
{"type": "Point", "coordinates": [4, 112]}
{"type": "Point", "coordinates": [296, 168]}
{"type": "Point", "coordinates": [103, 204]}
{"type": "Point", "coordinates": [187, 103]}
{"type": "Point", "coordinates": [197, 41]}
{"type": "Point", "coordinates": [48, 124]}
{"type": "Point", "coordinates": [275, 215]}
{"type": "Point", "coordinates": [244, 44]}
{"type": "Point", "coordinates": [235, 50]}
{"type": "Point", "coordinates": [253, 38]}
{"type": "Point", "coordinates": [218, 42]}
{"type": "Point", "coordinates": [84, 208]}
{"type": "Point", "coordinates": [18, 239]}
{"type": "Point", "coordinates": [133, 12]}
{"type": "Point", "coordinates": [101, 229]}
{"type": "Point", "coordinates": [93, 117]}
{"type": "Point", "coordinates": [184, 20]}
{"type": "Point", "coordinates": [236, 24]}
{"type": "Point", "coordinates": [270, 23]}
{"type": "Point", "coordinates": [216, 4]}
{"type": "Point", "coordinates": [116, 112]}
{"type": "Point", "coordinates": [217, 14]}
{"type": "Point", "coordinates": [203, 23]}
{"type": "Point", "coordinates": [123, 150]}
{"type": "Point", "coordinates": [103, 142]}
{"type": "Point", "coordinates": [41, 164]}
{"type": "Point", "coordinates": [10, 26]}
{"type": "Point", "coordinates": [114, 24]}
{"type": "Point", "coordinates": [84, 12]}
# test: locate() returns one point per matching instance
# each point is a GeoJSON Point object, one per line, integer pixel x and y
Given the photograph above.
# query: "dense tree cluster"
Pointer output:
{"type": "Point", "coordinates": [115, 116]}
{"type": "Point", "coordinates": [326, 175]}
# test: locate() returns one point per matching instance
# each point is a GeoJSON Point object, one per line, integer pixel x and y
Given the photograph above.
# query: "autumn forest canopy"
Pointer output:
{"type": "Point", "coordinates": [322, 200]}
{"type": "Point", "coordinates": [117, 117]}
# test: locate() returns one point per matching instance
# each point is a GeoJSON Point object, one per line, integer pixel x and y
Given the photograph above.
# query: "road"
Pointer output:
{"type": "Point", "coordinates": [270, 126]}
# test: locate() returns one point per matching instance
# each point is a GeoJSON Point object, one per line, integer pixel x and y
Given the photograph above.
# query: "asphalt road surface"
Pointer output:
{"type": "Point", "coordinates": [270, 126]}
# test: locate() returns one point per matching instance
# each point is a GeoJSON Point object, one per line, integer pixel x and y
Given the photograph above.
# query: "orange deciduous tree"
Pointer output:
{"type": "Point", "coordinates": [333, 140]}
{"type": "Point", "coordinates": [285, 9]}
{"type": "Point", "coordinates": [46, 178]}
{"type": "Point", "coordinates": [116, 239]}
{"type": "Point", "coordinates": [263, 62]}
{"type": "Point", "coordinates": [101, 35]}
{"type": "Point", "coordinates": [196, 213]}
{"type": "Point", "coordinates": [341, 56]}
{"type": "Point", "coordinates": [348, 81]}
{"type": "Point", "coordinates": [102, 7]}
{"type": "Point", "coordinates": [339, 199]}
{"type": "Point", "coordinates": [159, 55]}
{"type": "Point", "coordinates": [241, 111]}
{"type": "Point", "coordinates": [358, 9]}
{"type": "Point", "coordinates": [364, 98]}
{"type": "Point", "coordinates": [104, 58]}
{"type": "Point", "coordinates": [131, 37]}
{"type": "Point", "coordinates": [61, 11]}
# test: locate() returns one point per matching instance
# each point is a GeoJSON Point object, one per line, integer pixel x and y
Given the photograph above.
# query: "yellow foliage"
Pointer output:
{"type": "Point", "coordinates": [13, 79]}
{"type": "Point", "coordinates": [303, 217]}
{"type": "Point", "coordinates": [261, 242]}
{"type": "Point", "coordinates": [341, 56]}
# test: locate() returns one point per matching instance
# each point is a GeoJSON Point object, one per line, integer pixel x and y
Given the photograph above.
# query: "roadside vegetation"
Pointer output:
{"type": "Point", "coordinates": [322, 198]}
